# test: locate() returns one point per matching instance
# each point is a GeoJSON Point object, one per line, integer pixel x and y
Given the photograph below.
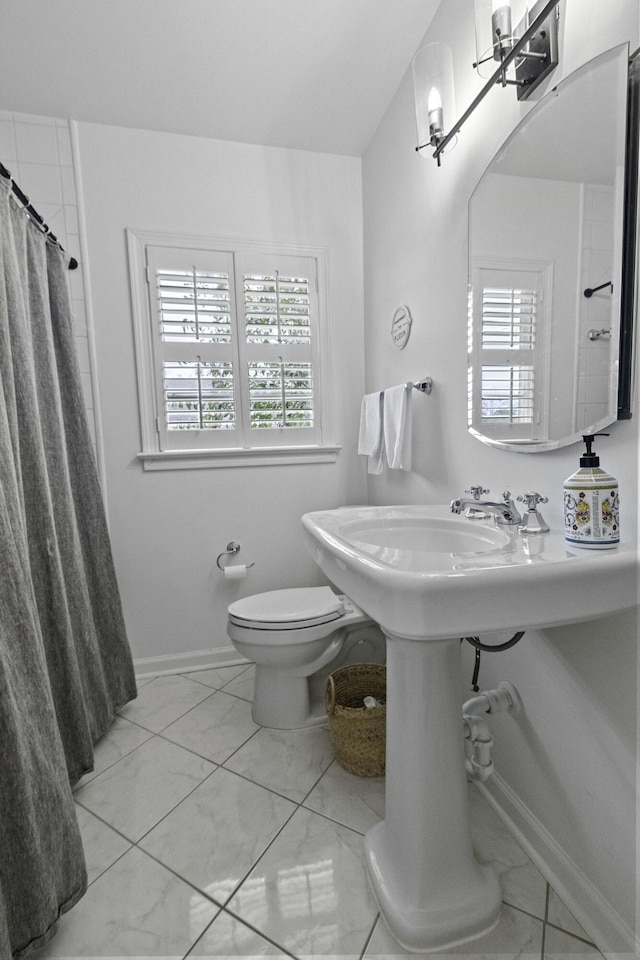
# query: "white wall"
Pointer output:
{"type": "Point", "coordinates": [167, 528]}
{"type": "Point", "coordinates": [567, 766]}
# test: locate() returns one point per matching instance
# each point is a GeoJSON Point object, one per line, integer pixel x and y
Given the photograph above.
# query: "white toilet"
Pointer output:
{"type": "Point", "coordinates": [296, 637]}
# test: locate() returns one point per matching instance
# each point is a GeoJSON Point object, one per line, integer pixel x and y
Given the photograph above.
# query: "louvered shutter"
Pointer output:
{"type": "Point", "coordinates": [278, 346]}
{"type": "Point", "coordinates": [192, 298]}
{"type": "Point", "coordinates": [508, 326]}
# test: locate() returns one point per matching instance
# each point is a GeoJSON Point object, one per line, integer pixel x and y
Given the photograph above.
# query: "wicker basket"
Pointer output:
{"type": "Point", "coordinates": [358, 732]}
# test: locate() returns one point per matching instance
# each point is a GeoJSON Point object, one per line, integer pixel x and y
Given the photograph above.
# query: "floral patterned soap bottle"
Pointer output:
{"type": "Point", "coordinates": [591, 504]}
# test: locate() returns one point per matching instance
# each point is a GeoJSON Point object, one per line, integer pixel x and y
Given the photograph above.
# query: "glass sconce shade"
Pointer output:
{"type": "Point", "coordinates": [499, 23]}
{"type": "Point", "coordinates": [434, 94]}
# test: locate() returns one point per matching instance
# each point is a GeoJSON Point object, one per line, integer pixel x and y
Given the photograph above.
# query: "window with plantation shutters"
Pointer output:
{"type": "Point", "coordinates": [229, 352]}
{"type": "Point", "coordinates": [507, 375]}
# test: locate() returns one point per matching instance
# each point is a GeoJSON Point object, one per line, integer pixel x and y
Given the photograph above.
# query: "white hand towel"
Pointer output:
{"type": "Point", "coordinates": [397, 426]}
{"type": "Point", "coordinates": [371, 438]}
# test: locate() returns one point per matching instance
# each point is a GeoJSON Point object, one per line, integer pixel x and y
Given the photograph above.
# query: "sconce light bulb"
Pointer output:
{"type": "Point", "coordinates": [501, 28]}
{"type": "Point", "coordinates": [434, 109]}
{"type": "Point", "coordinates": [434, 100]}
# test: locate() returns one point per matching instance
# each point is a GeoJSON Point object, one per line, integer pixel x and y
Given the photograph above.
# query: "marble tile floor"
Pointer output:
{"type": "Point", "coordinates": [208, 836]}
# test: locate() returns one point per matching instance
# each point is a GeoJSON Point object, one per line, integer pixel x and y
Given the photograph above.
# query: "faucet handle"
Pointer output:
{"type": "Point", "coordinates": [533, 522]}
{"type": "Point", "coordinates": [477, 491]}
{"type": "Point", "coordinates": [532, 499]}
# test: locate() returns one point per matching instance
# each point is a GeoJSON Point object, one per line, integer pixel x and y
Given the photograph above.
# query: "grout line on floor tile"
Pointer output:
{"type": "Point", "coordinates": [143, 681]}
{"type": "Point", "coordinates": [244, 670]}
{"type": "Point", "coordinates": [219, 903]}
{"type": "Point", "coordinates": [237, 696]}
{"type": "Point", "coordinates": [145, 743]}
{"type": "Point", "coordinates": [256, 783]}
{"type": "Point", "coordinates": [189, 676]}
{"type": "Point", "coordinates": [257, 931]}
{"type": "Point", "coordinates": [544, 923]}
{"type": "Point", "coordinates": [528, 913]}
{"type": "Point", "coordinates": [234, 680]}
{"type": "Point", "coordinates": [312, 788]}
{"type": "Point", "coordinates": [240, 746]}
{"type": "Point", "coordinates": [194, 753]}
{"type": "Point", "coordinates": [207, 686]}
{"type": "Point", "coordinates": [179, 876]}
{"type": "Point", "coordinates": [94, 776]}
{"type": "Point", "coordinates": [192, 708]}
{"type": "Point", "coordinates": [338, 823]}
{"type": "Point", "coordinates": [234, 695]}
{"type": "Point", "coordinates": [568, 933]}
{"type": "Point", "coordinates": [212, 691]}
{"type": "Point", "coordinates": [136, 723]}
{"type": "Point", "coordinates": [102, 820]}
{"type": "Point", "coordinates": [371, 932]}
{"type": "Point", "coordinates": [165, 815]}
{"type": "Point", "coordinates": [258, 859]}
{"type": "Point", "coordinates": [113, 863]}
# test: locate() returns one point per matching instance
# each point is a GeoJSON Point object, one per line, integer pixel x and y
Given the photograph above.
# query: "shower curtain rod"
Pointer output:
{"type": "Point", "coordinates": [33, 213]}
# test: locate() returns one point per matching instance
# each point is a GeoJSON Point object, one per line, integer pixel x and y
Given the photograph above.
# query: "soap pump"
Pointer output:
{"type": "Point", "coordinates": [591, 503]}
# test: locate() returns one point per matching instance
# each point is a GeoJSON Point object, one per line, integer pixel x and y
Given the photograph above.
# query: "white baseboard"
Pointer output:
{"type": "Point", "coordinates": [187, 662]}
{"type": "Point", "coordinates": [604, 925]}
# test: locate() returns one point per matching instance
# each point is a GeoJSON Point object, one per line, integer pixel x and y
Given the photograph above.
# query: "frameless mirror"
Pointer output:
{"type": "Point", "coordinates": [550, 296]}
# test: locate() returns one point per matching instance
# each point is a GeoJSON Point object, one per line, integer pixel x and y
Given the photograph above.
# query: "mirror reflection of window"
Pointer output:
{"type": "Point", "coordinates": [508, 344]}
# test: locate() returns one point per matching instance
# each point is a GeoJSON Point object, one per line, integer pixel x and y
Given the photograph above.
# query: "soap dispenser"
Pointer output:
{"type": "Point", "coordinates": [591, 504]}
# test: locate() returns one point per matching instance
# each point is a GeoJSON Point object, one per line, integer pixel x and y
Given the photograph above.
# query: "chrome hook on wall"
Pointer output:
{"type": "Point", "coordinates": [233, 547]}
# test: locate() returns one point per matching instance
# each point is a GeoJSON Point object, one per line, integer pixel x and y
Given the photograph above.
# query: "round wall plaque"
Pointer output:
{"type": "Point", "coordinates": [401, 327]}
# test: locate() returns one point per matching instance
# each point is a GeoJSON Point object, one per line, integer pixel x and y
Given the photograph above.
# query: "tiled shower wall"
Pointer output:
{"type": "Point", "coordinates": [37, 151]}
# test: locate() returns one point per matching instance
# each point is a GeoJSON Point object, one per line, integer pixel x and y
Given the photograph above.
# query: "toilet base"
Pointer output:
{"type": "Point", "coordinates": [282, 701]}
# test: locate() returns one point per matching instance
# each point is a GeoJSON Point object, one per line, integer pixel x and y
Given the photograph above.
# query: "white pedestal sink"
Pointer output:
{"type": "Point", "coordinates": [428, 578]}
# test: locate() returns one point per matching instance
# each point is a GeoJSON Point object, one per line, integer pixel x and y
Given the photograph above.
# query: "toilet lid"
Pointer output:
{"type": "Point", "coordinates": [282, 609]}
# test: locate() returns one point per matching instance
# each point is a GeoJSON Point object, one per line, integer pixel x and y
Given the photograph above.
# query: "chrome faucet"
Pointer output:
{"type": "Point", "coordinates": [505, 513]}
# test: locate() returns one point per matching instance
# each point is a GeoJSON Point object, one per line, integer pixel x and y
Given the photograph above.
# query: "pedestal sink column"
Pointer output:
{"type": "Point", "coordinates": [431, 890]}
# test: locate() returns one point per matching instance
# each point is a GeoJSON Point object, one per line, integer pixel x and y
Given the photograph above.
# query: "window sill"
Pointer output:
{"type": "Point", "coordinates": [236, 457]}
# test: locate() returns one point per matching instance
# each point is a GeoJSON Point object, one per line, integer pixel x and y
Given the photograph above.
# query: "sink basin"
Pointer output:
{"type": "Point", "coordinates": [427, 575]}
{"type": "Point", "coordinates": [423, 572]}
{"type": "Point", "coordinates": [417, 542]}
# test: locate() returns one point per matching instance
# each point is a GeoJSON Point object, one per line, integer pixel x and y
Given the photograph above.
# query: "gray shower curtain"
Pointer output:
{"type": "Point", "coordinates": [65, 663]}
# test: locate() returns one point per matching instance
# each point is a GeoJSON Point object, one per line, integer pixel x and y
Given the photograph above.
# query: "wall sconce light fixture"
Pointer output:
{"type": "Point", "coordinates": [514, 46]}
{"type": "Point", "coordinates": [494, 31]}
{"type": "Point", "coordinates": [434, 94]}
{"type": "Point", "coordinates": [499, 26]}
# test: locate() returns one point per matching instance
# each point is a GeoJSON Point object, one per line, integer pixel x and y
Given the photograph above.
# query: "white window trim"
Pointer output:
{"type": "Point", "coordinates": [151, 456]}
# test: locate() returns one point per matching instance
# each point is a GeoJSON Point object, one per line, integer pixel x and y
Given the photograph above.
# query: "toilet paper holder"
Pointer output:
{"type": "Point", "coordinates": [233, 547]}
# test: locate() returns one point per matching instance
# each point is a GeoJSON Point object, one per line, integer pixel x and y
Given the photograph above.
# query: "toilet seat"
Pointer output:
{"type": "Point", "coordinates": [293, 609]}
